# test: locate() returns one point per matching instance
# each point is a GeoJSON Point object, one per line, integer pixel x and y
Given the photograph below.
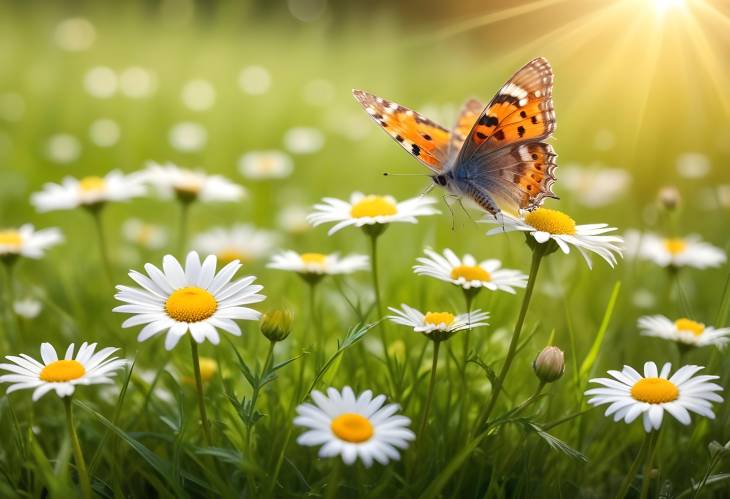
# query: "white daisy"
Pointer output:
{"type": "Point", "coordinates": [86, 368]}
{"type": "Point", "coordinates": [28, 242]}
{"type": "Point", "coordinates": [318, 264]}
{"type": "Point", "coordinates": [191, 185]}
{"type": "Point", "coordinates": [293, 219]}
{"type": "Point", "coordinates": [364, 210]}
{"type": "Point", "coordinates": [88, 192]}
{"type": "Point", "coordinates": [468, 273]}
{"type": "Point", "coordinates": [596, 186]}
{"type": "Point", "coordinates": [689, 251]}
{"type": "Point", "coordinates": [353, 427]}
{"type": "Point", "coordinates": [631, 394]}
{"type": "Point", "coordinates": [145, 234]}
{"type": "Point", "coordinates": [437, 325]}
{"type": "Point", "coordinates": [303, 140]}
{"type": "Point", "coordinates": [265, 164]}
{"type": "Point", "coordinates": [241, 242]}
{"type": "Point", "coordinates": [545, 225]}
{"type": "Point", "coordinates": [27, 308]}
{"type": "Point", "coordinates": [195, 298]}
{"type": "Point", "coordinates": [684, 331]}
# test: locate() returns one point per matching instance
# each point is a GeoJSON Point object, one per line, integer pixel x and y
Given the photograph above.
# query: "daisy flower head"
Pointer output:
{"type": "Point", "coordinates": [684, 331]}
{"type": "Point", "coordinates": [437, 326]}
{"type": "Point", "coordinates": [87, 367]}
{"type": "Point", "coordinates": [674, 252]}
{"type": "Point", "coordinates": [370, 212]}
{"type": "Point", "coordinates": [260, 165]}
{"type": "Point", "coordinates": [145, 234]}
{"type": "Point", "coordinates": [631, 395]}
{"type": "Point", "coordinates": [354, 427]}
{"type": "Point", "coordinates": [28, 242]}
{"type": "Point", "coordinates": [468, 273]}
{"type": "Point", "coordinates": [553, 227]}
{"type": "Point", "coordinates": [191, 185]}
{"type": "Point", "coordinates": [88, 192]}
{"type": "Point", "coordinates": [314, 266]}
{"type": "Point", "coordinates": [195, 298]}
{"type": "Point", "coordinates": [241, 242]}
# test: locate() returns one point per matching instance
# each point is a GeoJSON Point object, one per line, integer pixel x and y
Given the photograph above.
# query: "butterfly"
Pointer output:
{"type": "Point", "coordinates": [495, 154]}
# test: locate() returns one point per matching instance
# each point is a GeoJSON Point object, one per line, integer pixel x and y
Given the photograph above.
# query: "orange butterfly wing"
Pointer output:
{"type": "Point", "coordinates": [468, 116]}
{"type": "Point", "coordinates": [422, 138]}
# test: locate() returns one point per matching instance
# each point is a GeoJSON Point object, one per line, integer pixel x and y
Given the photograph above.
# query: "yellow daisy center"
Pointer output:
{"type": "Point", "coordinates": [437, 318]}
{"type": "Point", "coordinates": [11, 238]}
{"type": "Point", "coordinates": [373, 206]}
{"type": "Point", "coordinates": [352, 427]}
{"type": "Point", "coordinates": [266, 164]}
{"type": "Point", "coordinates": [551, 221]}
{"type": "Point", "coordinates": [227, 255]}
{"type": "Point", "coordinates": [675, 246]}
{"type": "Point", "coordinates": [313, 258]}
{"type": "Point", "coordinates": [191, 304]}
{"type": "Point", "coordinates": [62, 370]}
{"type": "Point", "coordinates": [470, 273]}
{"type": "Point", "coordinates": [654, 390]}
{"type": "Point", "coordinates": [92, 184]}
{"type": "Point", "coordinates": [694, 327]}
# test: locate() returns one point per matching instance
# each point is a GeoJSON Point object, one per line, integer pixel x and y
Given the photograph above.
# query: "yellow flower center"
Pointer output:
{"type": "Point", "coordinates": [654, 390]}
{"type": "Point", "coordinates": [208, 368]}
{"type": "Point", "coordinates": [684, 324]}
{"type": "Point", "coordinates": [11, 238]}
{"type": "Point", "coordinates": [352, 427]}
{"type": "Point", "coordinates": [313, 258]}
{"type": "Point", "coordinates": [437, 318]}
{"type": "Point", "coordinates": [229, 254]}
{"type": "Point", "coordinates": [92, 184]}
{"type": "Point", "coordinates": [266, 164]}
{"type": "Point", "coordinates": [62, 370]}
{"type": "Point", "coordinates": [191, 304]}
{"type": "Point", "coordinates": [551, 221]}
{"type": "Point", "coordinates": [470, 273]}
{"type": "Point", "coordinates": [675, 246]}
{"type": "Point", "coordinates": [373, 206]}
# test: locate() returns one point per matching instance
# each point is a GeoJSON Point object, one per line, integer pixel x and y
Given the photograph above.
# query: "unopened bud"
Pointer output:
{"type": "Point", "coordinates": [549, 365]}
{"type": "Point", "coordinates": [276, 325]}
{"type": "Point", "coordinates": [669, 198]}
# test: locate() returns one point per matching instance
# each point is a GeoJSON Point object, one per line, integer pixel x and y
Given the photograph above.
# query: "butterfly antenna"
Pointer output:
{"type": "Point", "coordinates": [427, 190]}
{"type": "Point", "coordinates": [388, 174]}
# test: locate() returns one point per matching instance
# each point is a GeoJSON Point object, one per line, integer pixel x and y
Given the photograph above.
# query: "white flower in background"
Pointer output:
{"type": "Point", "coordinates": [684, 331]}
{"type": "Point", "coordinates": [245, 243]}
{"type": "Point", "coordinates": [643, 298]}
{"type": "Point", "coordinates": [594, 187]}
{"type": "Point", "coordinates": [693, 165]}
{"type": "Point", "coordinates": [28, 308]}
{"type": "Point", "coordinates": [265, 164]}
{"type": "Point", "coordinates": [145, 234]}
{"type": "Point", "coordinates": [198, 95]}
{"type": "Point", "coordinates": [188, 136]}
{"type": "Point", "coordinates": [75, 34]}
{"type": "Point", "coordinates": [293, 219]}
{"type": "Point", "coordinates": [353, 427]}
{"type": "Point", "coordinates": [104, 132]}
{"type": "Point", "coordinates": [88, 367]}
{"type": "Point", "coordinates": [303, 140]}
{"type": "Point", "coordinates": [137, 83]}
{"type": "Point", "coordinates": [171, 180]}
{"type": "Point", "coordinates": [101, 82]}
{"type": "Point", "coordinates": [688, 251]}
{"type": "Point", "coordinates": [319, 92]}
{"type": "Point", "coordinates": [631, 395]}
{"type": "Point", "coordinates": [438, 325]}
{"type": "Point", "coordinates": [88, 191]}
{"type": "Point", "coordinates": [12, 107]}
{"type": "Point", "coordinates": [318, 264]}
{"type": "Point", "coordinates": [63, 148]}
{"type": "Point", "coordinates": [196, 299]}
{"type": "Point", "coordinates": [28, 242]}
{"type": "Point", "coordinates": [254, 80]}
{"type": "Point", "coordinates": [545, 225]}
{"type": "Point", "coordinates": [364, 210]}
{"type": "Point", "coordinates": [468, 273]}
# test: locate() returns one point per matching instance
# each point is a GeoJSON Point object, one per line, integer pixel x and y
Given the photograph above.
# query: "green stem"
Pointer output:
{"type": "Point", "coordinates": [431, 385]}
{"type": "Point", "coordinates": [333, 483]}
{"type": "Point", "coordinates": [78, 454]}
{"type": "Point", "coordinates": [103, 247]}
{"type": "Point", "coordinates": [182, 233]}
{"type": "Point", "coordinates": [378, 302]}
{"type": "Point", "coordinates": [537, 255]}
{"type": "Point", "coordinates": [469, 295]}
{"type": "Point", "coordinates": [631, 474]}
{"type": "Point", "coordinates": [648, 465]}
{"type": "Point", "coordinates": [255, 396]}
{"type": "Point", "coordinates": [199, 387]}
{"type": "Point", "coordinates": [13, 318]}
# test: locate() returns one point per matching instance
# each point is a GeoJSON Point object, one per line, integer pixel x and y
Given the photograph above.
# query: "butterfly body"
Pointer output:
{"type": "Point", "coordinates": [495, 155]}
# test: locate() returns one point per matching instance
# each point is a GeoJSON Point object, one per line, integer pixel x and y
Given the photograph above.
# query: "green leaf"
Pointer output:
{"type": "Point", "coordinates": [553, 441]}
{"type": "Point", "coordinates": [585, 367]}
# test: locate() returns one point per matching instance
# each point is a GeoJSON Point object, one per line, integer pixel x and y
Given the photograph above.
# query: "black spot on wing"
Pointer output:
{"type": "Point", "coordinates": [499, 135]}
{"type": "Point", "coordinates": [415, 149]}
{"type": "Point", "coordinates": [521, 130]}
{"type": "Point", "coordinates": [488, 120]}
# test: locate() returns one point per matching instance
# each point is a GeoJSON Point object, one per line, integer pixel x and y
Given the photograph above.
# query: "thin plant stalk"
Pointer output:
{"type": "Point", "coordinates": [103, 246]}
{"type": "Point", "coordinates": [182, 232]}
{"type": "Point", "coordinates": [646, 473]}
{"type": "Point", "coordinates": [78, 454]}
{"type": "Point", "coordinates": [199, 388]}
{"type": "Point", "coordinates": [12, 318]}
{"type": "Point", "coordinates": [626, 484]}
{"type": "Point", "coordinates": [378, 301]}
{"type": "Point", "coordinates": [333, 482]}
{"type": "Point", "coordinates": [431, 385]}
{"type": "Point", "coordinates": [255, 394]}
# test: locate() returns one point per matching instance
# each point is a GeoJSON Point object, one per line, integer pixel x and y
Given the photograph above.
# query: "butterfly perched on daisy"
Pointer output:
{"type": "Point", "coordinates": [496, 154]}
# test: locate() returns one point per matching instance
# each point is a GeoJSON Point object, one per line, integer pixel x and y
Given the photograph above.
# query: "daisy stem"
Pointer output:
{"type": "Point", "coordinates": [182, 233]}
{"type": "Point", "coordinates": [255, 395]}
{"type": "Point", "coordinates": [648, 465]}
{"type": "Point", "coordinates": [199, 387]}
{"type": "Point", "coordinates": [78, 454]}
{"type": "Point", "coordinates": [378, 302]}
{"type": "Point", "coordinates": [631, 474]}
{"type": "Point", "coordinates": [431, 385]}
{"type": "Point", "coordinates": [333, 482]}
{"type": "Point", "coordinates": [13, 318]}
{"type": "Point", "coordinates": [537, 255]}
{"type": "Point", "coordinates": [103, 247]}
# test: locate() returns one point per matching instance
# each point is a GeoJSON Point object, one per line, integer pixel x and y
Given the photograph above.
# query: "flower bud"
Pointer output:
{"type": "Point", "coordinates": [276, 325]}
{"type": "Point", "coordinates": [549, 365]}
{"type": "Point", "coordinates": [669, 198]}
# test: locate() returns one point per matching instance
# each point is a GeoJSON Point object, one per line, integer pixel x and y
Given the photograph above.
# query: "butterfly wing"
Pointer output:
{"type": "Point", "coordinates": [468, 116]}
{"type": "Point", "coordinates": [427, 141]}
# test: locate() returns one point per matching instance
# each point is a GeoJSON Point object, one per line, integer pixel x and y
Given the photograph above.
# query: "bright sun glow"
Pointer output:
{"type": "Point", "coordinates": [665, 5]}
